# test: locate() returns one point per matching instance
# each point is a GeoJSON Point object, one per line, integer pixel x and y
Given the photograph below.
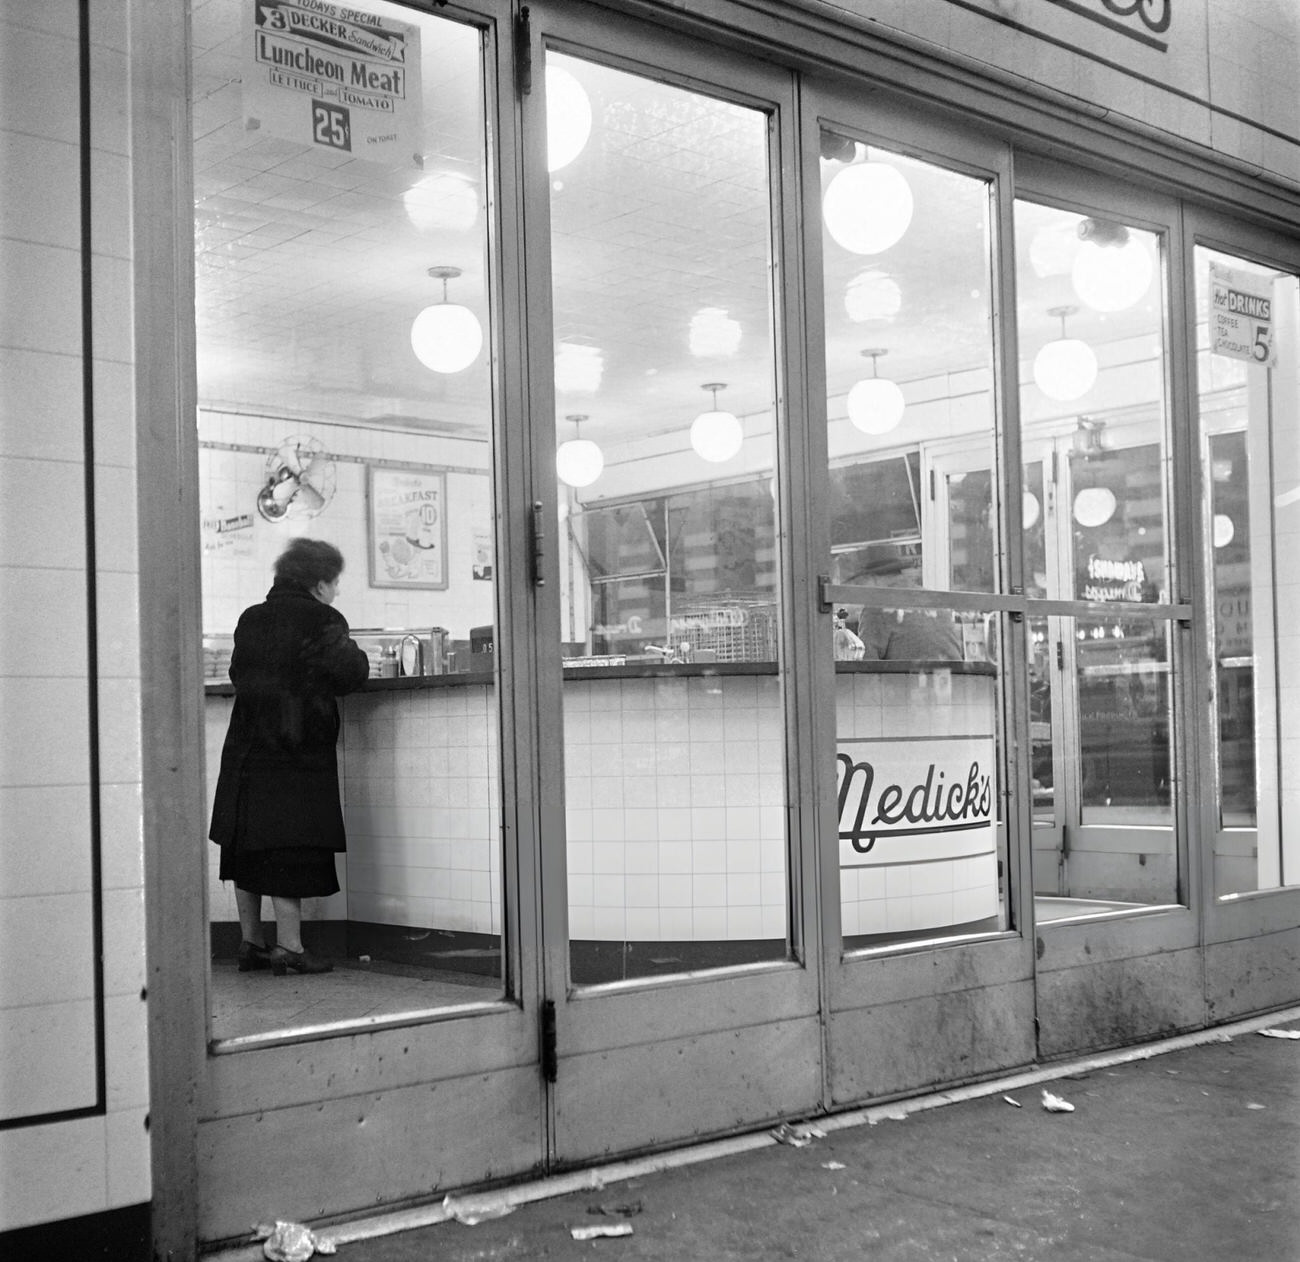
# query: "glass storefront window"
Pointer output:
{"type": "Point", "coordinates": [345, 395]}
{"type": "Point", "coordinates": [1095, 516]}
{"type": "Point", "coordinates": [671, 584]}
{"type": "Point", "coordinates": [909, 355]}
{"type": "Point", "coordinates": [1246, 339]}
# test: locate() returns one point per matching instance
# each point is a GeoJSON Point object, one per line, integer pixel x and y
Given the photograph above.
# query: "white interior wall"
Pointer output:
{"type": "Point", "coordinates": [237, 564]}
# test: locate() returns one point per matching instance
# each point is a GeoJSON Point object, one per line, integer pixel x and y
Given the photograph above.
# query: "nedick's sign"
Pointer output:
{"type": "Point", "coordinates": [915, 795]}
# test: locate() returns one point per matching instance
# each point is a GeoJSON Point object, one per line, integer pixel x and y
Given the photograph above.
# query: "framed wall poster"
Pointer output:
{"type": "Point", "coordinates": [406, 526]}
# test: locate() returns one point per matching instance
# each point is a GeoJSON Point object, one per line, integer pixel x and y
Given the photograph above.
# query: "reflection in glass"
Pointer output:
{"type": "Point", "coordinates": [670, 579]}
{"type": "Point", "coordinates": [908, 362]}
{"type": "Point", "coordinates": [318, 244]}
{"type": "Point", "coordinates": [1249, 419]}
{"type": "Point", "coordinates": [1095, 530]}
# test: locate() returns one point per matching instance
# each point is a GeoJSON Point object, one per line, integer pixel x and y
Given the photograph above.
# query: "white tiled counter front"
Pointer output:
{"type": "Point", "coordinates": [674, 801]}
{"type": "Point", "coordinates": [674, 808]}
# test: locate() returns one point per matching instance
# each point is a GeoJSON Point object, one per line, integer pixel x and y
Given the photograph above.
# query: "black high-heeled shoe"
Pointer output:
{"type": "Point", "coordinates": [285, 961]}
{"type": "Point", "coordinates": [251, 957]}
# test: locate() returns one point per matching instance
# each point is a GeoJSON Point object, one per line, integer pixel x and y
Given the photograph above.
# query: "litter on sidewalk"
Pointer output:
{"type": "Point", "coordinates": [1054, 1103]}
{"type": "Point", "coordinates": [290, 1242]}
{"type": "Point", "coordinates": [599, 1231]}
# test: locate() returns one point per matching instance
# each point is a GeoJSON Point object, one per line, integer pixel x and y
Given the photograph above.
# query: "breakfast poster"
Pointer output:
{"type": "Point", "coordinates": [406, 513]}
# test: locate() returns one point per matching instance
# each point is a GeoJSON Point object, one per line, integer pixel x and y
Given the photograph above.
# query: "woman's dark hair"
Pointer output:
{"type": "Point", "coordinates": [307, 562]}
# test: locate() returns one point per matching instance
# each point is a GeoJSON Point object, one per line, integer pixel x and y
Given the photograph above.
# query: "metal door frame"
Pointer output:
{"type": "Point", "coordinates": [714, 1051]}
{"type": "Point", "coordinates": [361, 1110]}
{"type": "Point", "coordinates": [886, 1006]}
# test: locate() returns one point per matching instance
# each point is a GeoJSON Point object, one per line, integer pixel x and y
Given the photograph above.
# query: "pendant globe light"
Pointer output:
{"type": "Point", "coordinates": [446, 337]}
{"type": "Point", "coordinates": [715, 435]}
{"type": "Point", "coordinates": [867, 207]}
{"type": "Point", "coordinates": [876, 404]}
{"type": "Point", "coordinates": [1112, 269]}
{"type": "Point", "coordinates": [568, 118]}
{"type": "Point", "coordinates": [1065, 369]}
{"type": "Point", "coordinates": [578, 461]}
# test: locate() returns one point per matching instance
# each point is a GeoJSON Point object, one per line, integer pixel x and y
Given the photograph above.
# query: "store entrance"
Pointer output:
{"type": "Point", "coordinates": [1098, 671]}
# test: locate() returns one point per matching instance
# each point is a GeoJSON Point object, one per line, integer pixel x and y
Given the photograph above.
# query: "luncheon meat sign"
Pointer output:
{"type": "Point", "coordinates": [914, 801]}
{"type": "Point", "coordinates": [336, 78]}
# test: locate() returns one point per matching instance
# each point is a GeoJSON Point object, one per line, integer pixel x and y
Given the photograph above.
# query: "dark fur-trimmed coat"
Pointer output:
{"type": "Point", "coordinates": [279, 780]}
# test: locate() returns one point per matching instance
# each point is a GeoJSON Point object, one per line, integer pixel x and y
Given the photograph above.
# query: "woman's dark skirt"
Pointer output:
{"type": "Point", "coordinates": [291, 872]}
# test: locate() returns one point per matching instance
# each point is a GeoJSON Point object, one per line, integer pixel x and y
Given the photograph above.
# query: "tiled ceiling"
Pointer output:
{"type": "Point", "coordinates": [310, 269]}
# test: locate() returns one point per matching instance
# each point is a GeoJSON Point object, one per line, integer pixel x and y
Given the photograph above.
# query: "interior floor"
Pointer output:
{"type": "Point", "coordinates": [259, 1002]}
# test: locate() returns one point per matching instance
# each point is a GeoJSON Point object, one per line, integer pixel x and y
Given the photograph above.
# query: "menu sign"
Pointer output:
{"type": "Point", "coordinates": [407, 527]}
{"type": "Point", "coordinates": [1241, 315]}
{"type": "Point", "coordinates": [909, 801]}
{"type": "Point", "coordinates": [334, 77]}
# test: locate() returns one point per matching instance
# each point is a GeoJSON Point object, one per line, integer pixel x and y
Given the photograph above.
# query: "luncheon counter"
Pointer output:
{"type": "Point", "coordinates": [675, 803]}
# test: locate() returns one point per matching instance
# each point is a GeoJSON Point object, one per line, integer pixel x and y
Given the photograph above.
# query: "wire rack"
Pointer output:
{"type": "Point", "coordinates": [735, 628]}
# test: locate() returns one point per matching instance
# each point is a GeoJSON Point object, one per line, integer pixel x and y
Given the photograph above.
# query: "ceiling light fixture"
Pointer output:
{"type": "Point", "coordinates": [871, 295]}
{"type": "Point", "coordinates": [443, 202]}
{"type": "Point", "coordinates": [578, 368]}
{"type": "Point", "coordinates": [714, 333]}
{"type": "Point", "coordinates": [715, 435]}
{"type": "Point", "coordinates": [1112, 268]}
{"type": "Point", "coordinates": [446, 337]}
{"type": "Point", "coordinates": [578, 461]}
{"type": "Point", "coordinates": [867, 207]}
{"type": "Point", "coordinates": [1065, 369]}
{"type": "Point", "coordinates": [1094, 506]}
{"type": "Point", "coordinates": [876, 404]}
{"type": "Point", "coordinates": [568, 118]}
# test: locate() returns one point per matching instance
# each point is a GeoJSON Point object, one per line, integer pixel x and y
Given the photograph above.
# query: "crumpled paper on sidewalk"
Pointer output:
{"type": "Point", "coordinates": [291, 1242]}
{"type": "Point", "coordinates": [1054, 1103]}
{"type": "Point", "coordinates": [798, 1134]}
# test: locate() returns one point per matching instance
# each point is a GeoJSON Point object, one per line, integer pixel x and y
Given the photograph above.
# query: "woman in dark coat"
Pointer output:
{"type": "Point", "coordinates": [276, 812]}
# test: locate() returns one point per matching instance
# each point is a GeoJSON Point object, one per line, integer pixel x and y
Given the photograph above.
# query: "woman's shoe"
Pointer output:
{"type": "Point", "coordinates": [251, 956]}
{"type": "Point", "coordinates": [285, 961]}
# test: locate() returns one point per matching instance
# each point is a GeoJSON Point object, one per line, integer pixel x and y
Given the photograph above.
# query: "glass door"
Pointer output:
{"type": "Point", "coordinates": [920, 889]}
{"type": "Point", "coordinates": [1098, 565]}
{"type": "Point", "coordinates": [674, 974]}
{"type": "Point", "coordinates": [355, 383]}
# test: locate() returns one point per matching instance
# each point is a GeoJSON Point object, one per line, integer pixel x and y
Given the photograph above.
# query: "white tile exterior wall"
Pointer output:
{"type": "Point", "coordinates": [59, 1170]}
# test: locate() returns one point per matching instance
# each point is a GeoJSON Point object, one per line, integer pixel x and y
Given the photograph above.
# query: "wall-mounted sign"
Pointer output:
{"type": "Point", "coordinates": [1107, 580]}
{"type": "Point", "coordinates": [1146, 21]}
{"type": "Point", "coordinates": [906, 801]}
{"type": "Point", "coordinates": [227, 533]}
{"type": "Point", "coordinates": [1241, 315]}
{"type": "Point", "coordinates": [406, 516]}
{"type": "Point", "coordinates": [918, 834]}
{"type": "Point", "coordinates": [334, 77]}
{"type": "Point", "coordinates": [482, 554]}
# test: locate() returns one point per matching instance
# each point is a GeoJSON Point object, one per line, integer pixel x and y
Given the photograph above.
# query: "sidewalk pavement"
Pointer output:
{"type": "Point", "coordinates": [1185, 1151]}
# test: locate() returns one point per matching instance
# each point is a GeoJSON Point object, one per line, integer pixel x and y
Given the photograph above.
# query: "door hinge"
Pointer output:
{"type": "Point", "coordinates": [524, 52]}
{"type": "Point", "coordinates": [550, 1058]}
{"type": "Point", "coordinates": [539, 544]}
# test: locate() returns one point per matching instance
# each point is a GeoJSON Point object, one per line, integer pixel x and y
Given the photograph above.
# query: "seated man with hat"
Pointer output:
{"type": "Point", "coordinates": [917, 635]}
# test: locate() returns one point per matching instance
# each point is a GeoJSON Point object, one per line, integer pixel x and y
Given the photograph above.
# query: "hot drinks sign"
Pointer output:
{"type": "Point", "coordinates": [921, 800]}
